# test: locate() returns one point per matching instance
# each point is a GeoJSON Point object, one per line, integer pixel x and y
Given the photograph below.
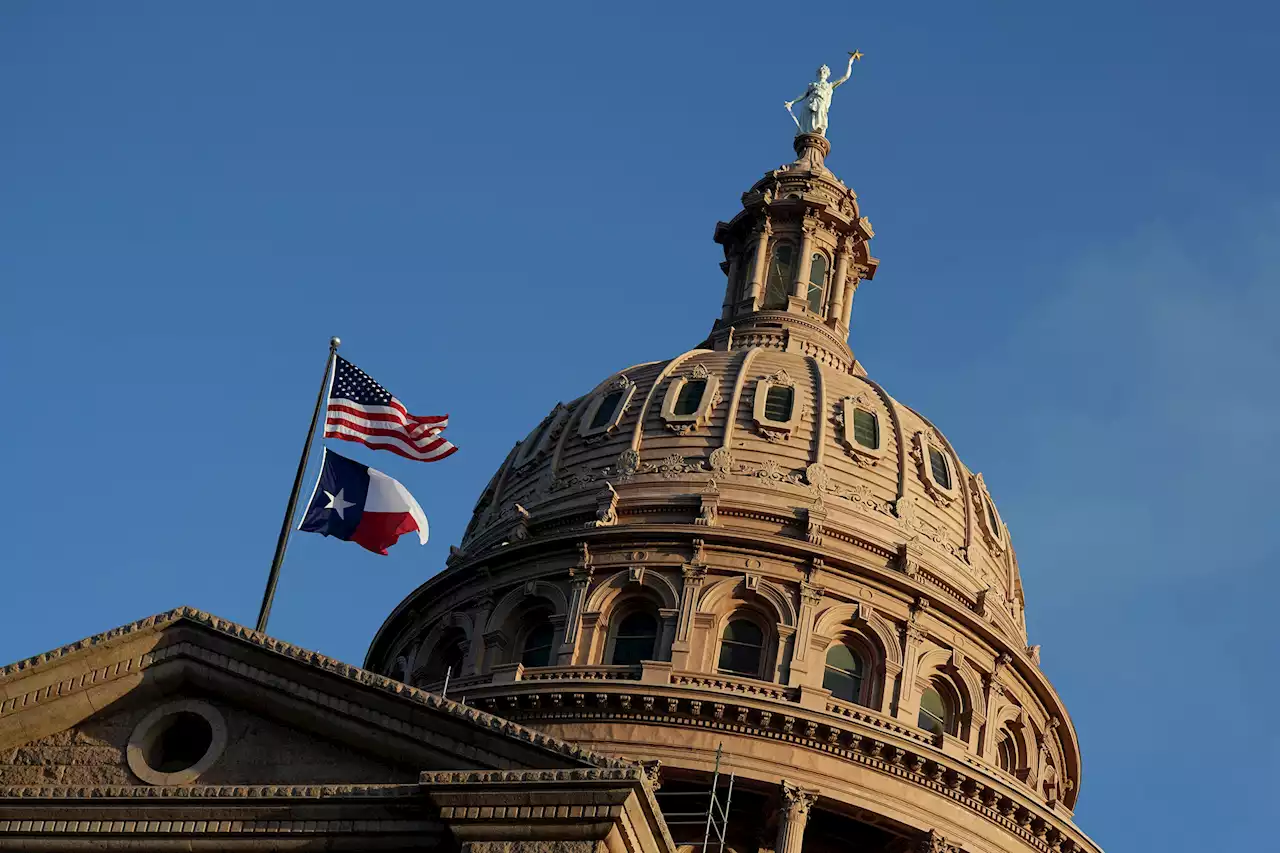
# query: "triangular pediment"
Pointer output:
{"type": "Point", "coordinates": [185, 697]}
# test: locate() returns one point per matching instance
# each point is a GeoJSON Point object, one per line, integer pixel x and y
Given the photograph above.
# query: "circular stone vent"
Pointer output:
{"type": "Point", "coordinates": [177, 742]}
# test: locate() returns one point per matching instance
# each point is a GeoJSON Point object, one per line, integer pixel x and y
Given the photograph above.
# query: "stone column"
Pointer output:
{"type": "Point", "coordinates": [731, 295]}
{"type": "Point", "coordinates": [756, 285]}
{"type": "Point", "coordinates": [850, 288]}
{"type": "Point", "coordinates": [580, 580]}
{"type": "Point", "coordinates": [810, 598]}
{"type": "Point", "coordinates": [693, 574]}
{"type": "Point", "coordinates": [907, 709]}
{"type": "Point", "coordinates": [475, 659]}
{"type": "Point", "coordinates": [792, 817]}
{"type": "Point", "coordinates": [835, 305]}
{"type": "Point", "coordinates": [800, 287]}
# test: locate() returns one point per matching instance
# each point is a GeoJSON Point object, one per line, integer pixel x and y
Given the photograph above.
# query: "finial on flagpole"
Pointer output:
{"type": "Point", "coordinates": [335, 342]}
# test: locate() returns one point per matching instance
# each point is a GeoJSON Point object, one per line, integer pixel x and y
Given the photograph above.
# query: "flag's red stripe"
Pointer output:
{"type": "Point", "coordinates": [372, 413]}
{"type": "Point", "coordinates": [378, 531]}
{"type": "Point", "coordinates": [392, 443]}
{"type": "Point", "coordinates": [424, 445]}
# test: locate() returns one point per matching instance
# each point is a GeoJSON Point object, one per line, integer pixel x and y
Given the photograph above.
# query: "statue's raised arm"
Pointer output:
{"type": "Point", "coordinates": [854, 56]}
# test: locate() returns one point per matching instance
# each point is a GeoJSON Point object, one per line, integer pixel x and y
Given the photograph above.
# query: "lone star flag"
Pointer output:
{"type": "Point", "coordinates": [355, 503]}
{"type": "Point", "coordinates": [362, 410]}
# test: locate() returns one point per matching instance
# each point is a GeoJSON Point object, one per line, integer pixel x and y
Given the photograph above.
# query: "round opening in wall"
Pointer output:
{"type": "Point", "coordinates": [179, 742]}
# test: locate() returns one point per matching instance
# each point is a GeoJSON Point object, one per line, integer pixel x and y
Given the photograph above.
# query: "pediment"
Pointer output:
{"type": "Point", "coordinates": [102, 711]}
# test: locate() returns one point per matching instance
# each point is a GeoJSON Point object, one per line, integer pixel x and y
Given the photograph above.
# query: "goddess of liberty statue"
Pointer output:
{"type": "Point", "coordinates": [816, 100]}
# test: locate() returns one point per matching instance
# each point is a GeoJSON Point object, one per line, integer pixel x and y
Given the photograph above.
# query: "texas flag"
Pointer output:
{"type": "Point", "coordinates": [358, 504]}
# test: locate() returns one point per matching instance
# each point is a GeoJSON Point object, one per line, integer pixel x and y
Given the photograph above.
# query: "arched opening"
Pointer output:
{"type": "Point", "coordinates": [1006, 752]}
{"type": "Point", "coordinates": [446, 657]}
{"type": "Point", "coordinates": [781, 271]}
{"type": "Point", "coordinates": [636, 638]}
{"type": "Point", "coordinates": [817, 281]}
{"type": "Point", "coordinates": [741, 648]}
{"type": "Point", "coordinates": [937, 711]}
{"type": "Point", "coordinates": [844, 672]}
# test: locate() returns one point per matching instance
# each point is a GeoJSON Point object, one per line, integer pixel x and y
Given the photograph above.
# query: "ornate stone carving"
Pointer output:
{"type": "Point", "coordinates": [708, 510]}
{"type": "Point", "coordinates": [606, 507]}
{"type": "Point", "coordinates": [921, 443]}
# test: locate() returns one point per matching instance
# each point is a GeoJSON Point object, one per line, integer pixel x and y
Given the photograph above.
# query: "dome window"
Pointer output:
{"type": "Point", "coordinates": [690, 396]}
{"type": "Point", "coordinates": [741, 648]}
{"type": "Point", "coordinates": [781, 271]}
{"type": "Point", "coordinates": [860, 428]}
{"type": "Point", "coordinates": [935, 714]}
{"type": "Point", "coordinates": [536, 441]}
{"type": "Point", "coordinates": [989, 519]}
{"type": "Point", "coordinates": [778, 402]}
{"type": "Point", "coordinates": [536, 650]}
{"type": "Point", "coordinates": [817, 281]}
{"type": "Point", "coordinates": [935, 468]}
{"type": "Point", "coordinates": [690, 400]}
{"type": "Point", "coordinates": [843, 673]}
{"type": "Point", "coordinates": [938, 465]}
{"type": "Point", "coordinates": [605, 411]}
{"type": "Point", "coordinates": [775, 411]}
{"type": "Point", "coordinates": [636, 638]}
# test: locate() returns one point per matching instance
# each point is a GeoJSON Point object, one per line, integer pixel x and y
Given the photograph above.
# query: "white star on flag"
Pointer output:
{"type": "Point", "coordinates": [337, 504]}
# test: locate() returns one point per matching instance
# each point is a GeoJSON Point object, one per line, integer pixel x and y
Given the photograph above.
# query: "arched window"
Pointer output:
{"type": "Point", "coordinates": [778, 403]}
{"type": "Point", "coordinates": [636, 638]}
{"type": "Point", "coordinates": [935, 713]}
{"type": "Point", "coordinates": [781, 271]}
{"type": "Point", "coordinates": [866, 428]}
{"type": "Point", "coordinates": [741, 648]}
{"type": "Point", "coordinates": [690, 396]}
{"type": "Point", "coordinates": [991, 517]}
{"type": "Point", "coordinates": [843, 675]}
{"type": "Point", "coordinates": [536, 650]}
{"type": "Point", "coordinates": [941, 470]}
{"type": "Point", "coordinates": [817, 280]}
{"type": "Point", "coordinates": [1006, 752]}
{"type": "Point", "coordinates": [606, 410]}
{"type": "Point", "coordinates": [449, 651]}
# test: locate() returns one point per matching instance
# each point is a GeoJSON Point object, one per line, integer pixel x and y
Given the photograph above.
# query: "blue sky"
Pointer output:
{"type": "Point", "coordinates": [1077, 210]}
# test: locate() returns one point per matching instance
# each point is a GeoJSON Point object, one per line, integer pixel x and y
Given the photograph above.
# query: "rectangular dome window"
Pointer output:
{"type": "Point", "coordinates": [778, 403]}
{"type": "Point", "coordinates": [605, 411]}
{"type": "Point", "coordinates": [866, 428]}
{"type": "Point", "coordinates": [690, 396]}
{"type": "Point", "coordinates": [938, 465]}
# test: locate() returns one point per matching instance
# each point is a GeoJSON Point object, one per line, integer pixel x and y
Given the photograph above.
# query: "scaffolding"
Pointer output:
{"type": "Point", "coordinates": [714, 819]}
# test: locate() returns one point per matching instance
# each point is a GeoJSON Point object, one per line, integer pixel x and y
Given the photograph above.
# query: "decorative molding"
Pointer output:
{"type": "Point", "coordinates": [595, 434]}
{"type": "Point", "coordinates": [867, 457]}
{"type": "Point", "coordinates": [701, 415]}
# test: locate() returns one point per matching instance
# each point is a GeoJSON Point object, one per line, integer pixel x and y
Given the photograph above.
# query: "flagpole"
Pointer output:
{"type": "Point", "coordinates": [283, 542]}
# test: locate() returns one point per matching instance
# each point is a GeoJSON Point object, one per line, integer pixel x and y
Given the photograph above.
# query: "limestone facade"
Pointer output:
{"type": "Point", "coordinates": [753, 546]}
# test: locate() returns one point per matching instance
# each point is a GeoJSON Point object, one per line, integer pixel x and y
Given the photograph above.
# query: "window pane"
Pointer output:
{"type": "Point", "coordinates": [843, 686]}
{"type": "Point", "coordinates": [938, 464]}
{"type": "Point", "coordinates": [741, 648]}
{"type": "Point", "coordinates": [1005, 753]}
{"type": "Point", "coordinates": [933, 712]}
{"type": "Point", "coordinates": [991, 519]}
{"type": "Point", "coordinates": [690, 396]}
{"type": "Point", "coordinates": [781, 270]}
{"type": "Point", "coordinates": [537, 646]}
{"type": "Point", "coordinates": [748, 269]}
{"type": "Point", "coordinates": [608, 406]}
{"type": "Point", "coordinates": [777, 403]}
{"type": "Point", "coordinates": [842, 657]}
{"type": "Point", "coordinates": [866, 429]}
{"type": "Point", "coordinates": [817, 278]}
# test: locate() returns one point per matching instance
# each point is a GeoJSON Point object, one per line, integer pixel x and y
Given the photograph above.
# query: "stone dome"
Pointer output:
{"type": "Point", "coordinates": [750, 553]}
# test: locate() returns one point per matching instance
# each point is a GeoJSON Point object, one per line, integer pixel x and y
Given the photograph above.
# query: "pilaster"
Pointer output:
{"type": "Point", "coordinates": [793, 815]}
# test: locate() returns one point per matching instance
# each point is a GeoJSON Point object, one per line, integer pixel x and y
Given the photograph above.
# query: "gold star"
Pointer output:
{"type": "Point", "coordinates": [855, 54]}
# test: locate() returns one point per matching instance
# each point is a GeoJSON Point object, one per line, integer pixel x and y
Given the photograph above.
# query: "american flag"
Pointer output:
{"type": "Point", "coordinates": [361, 410]}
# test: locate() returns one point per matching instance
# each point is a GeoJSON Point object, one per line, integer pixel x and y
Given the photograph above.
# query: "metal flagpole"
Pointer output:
{"type": "Point", "coordinates": [283, 542]}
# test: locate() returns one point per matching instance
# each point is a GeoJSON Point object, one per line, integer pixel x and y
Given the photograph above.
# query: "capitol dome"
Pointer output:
{"type": "Point", "coordinates": [751, 556]}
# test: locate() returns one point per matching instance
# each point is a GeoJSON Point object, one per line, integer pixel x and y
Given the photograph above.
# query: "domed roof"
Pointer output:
{"type": "Point", "coordinates": [775, 443]}
{"type": "Point", "coordinates": [771, 426]}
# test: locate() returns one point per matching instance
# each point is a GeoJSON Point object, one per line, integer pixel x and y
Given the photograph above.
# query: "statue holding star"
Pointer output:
{"type": "Point", "coordinates": [815, 103]}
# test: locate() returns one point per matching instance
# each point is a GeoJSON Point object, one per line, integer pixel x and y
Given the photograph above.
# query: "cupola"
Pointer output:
{"type": "Point", "coordinates": [794, 257]}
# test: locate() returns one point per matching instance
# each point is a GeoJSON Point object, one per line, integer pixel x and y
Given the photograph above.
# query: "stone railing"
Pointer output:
{"type": "Point", "coordinates": [582, 673]}
{"type": "Point", "coordinates": [739, 686]}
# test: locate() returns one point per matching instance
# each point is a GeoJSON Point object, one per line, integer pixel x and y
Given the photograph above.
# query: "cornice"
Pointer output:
{"type": "Point", "coordinates": [851, 733]}
{"type": "Point", "coordinates": [14, 701]}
